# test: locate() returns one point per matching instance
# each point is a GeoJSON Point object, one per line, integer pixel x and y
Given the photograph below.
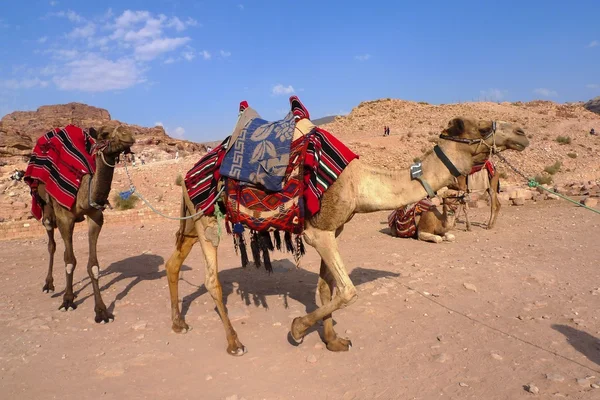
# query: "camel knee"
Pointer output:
{"type": "Point", "coordinates": [51, 247]}
{"type": "Point", "coordinates": [348, 295]}
{"type": "Point", "coordinates": [213, 286]}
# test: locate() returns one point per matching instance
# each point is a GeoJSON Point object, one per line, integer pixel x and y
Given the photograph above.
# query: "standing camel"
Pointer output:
{"type": "Point", "coordinates": [359, 189]}
{"type": "Point", "coordinates": [92, 197]}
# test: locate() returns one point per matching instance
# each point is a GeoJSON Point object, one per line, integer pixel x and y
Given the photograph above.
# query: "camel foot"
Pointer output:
{"type": "Point", "coordinates": [48, 288]}
{"type": "Point", "coordinates": [236, 349]}
{"type": "Point", "coordinates": [67, 305]}
{"type": "Point", "coordinates": [298, 330]}
{"type": "Point", "coordinates": [339, 344]}
{"type": "Point", "coordinates": [449, 237]}
{"type": "Point", "coordinates": [179, 326]}
{"type": "Point", "coordinates": [103, 316]}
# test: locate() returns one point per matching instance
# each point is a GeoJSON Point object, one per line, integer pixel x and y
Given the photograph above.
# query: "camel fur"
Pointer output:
{"type": "Point", "coordinates": [359, 189]}
{"type": "Point", "coordinates": [93, 189]}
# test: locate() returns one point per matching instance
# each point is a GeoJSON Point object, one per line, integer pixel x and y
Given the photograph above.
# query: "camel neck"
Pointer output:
{"type": "Point", "coordinates": [381, 189]}
{"type": "Point", "coordinates": [102, 179]}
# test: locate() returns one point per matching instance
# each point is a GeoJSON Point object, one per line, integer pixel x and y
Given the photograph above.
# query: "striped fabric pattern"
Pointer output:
{"type": "Point", "coordinates": [403, 221]}
{"type": "Point", "coordinates": [60, 159]}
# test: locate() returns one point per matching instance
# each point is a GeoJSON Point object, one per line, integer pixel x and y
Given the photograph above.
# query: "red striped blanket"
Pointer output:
{"type": "Point", "coordinates": [403, 221]}
{"type": "Point", "coordinates": [326, 157]}
{"type": "Point", "coordinates": [488, 164]}
{"type": "Point", "coordinates": [60, 159]}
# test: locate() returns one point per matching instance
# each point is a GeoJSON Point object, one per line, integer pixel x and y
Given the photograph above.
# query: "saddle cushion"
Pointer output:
{"type": "Point", "coordinates": [403, 221]}
{"type": "Point", "coordinates": [261, 152]}
{"type": "Point", "coordinates": [60, 159]}
{"type": "Point", "coordinates": [480, 175]}
{"type": "Point", "coordinates": [261, 210]}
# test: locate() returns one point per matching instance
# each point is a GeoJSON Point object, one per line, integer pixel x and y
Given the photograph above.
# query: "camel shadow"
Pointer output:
{"type": "Point", "coordinates": [143, 267]}
{"type": "Point", "coordinates": [583, 342]}
{"type": "Point", "coordinates": [286, 282]}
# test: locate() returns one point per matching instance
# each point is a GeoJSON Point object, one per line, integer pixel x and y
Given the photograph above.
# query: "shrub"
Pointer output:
{"type": "Point", "coordinates": [553, 169]}
{"type": "Point", "coordinates": [409, 134]}
{"type": "Point", "coordinates": [424, 103]}
{"type": "Point", "coordinates": [543, 179]}
{"type": "Point", "coordinates": [179, 180]}
{"type": "Point", "coordinates": [121, 204]}
{"type": "Point", "coordinates": [572, 155]}
{"type": "Point", "coordinates": [417, 159]}
{"type": "Point", "coordinates": [563, 140]}
{"type": "Point", "coordinates": [503, 175]}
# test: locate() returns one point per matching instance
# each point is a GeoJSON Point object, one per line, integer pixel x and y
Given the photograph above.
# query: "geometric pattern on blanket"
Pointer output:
{"type": "Point", "coordinates": [60, 159]}
{"type": "Point", "coordinates": [403, 221]}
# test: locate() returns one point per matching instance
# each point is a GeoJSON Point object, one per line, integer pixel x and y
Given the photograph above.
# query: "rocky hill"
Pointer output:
{"type": "Point", "coordinates": [557, 133]}
{"type": "Point", "coordinates": [593, 105]}
{"type": "Point", "coordinates": [20, 129]}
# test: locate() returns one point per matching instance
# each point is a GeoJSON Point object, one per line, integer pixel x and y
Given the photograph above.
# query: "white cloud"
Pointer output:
{"type": "Point", "coordinates": [206, 55]}
{"type": "Point", "coordinates": [156, 47]}
{"type": "Point", "coordinates": [362, 57]}
{"type": "Point", "coordinates": [83, 32]}
{"type": "Point", "coordinates": [170, 60]}
{"type": "Point", "coordinates": [241, 6]}
{"type": "Point", "coordinates": [592, 86]}
{"type": "Point", "coordinates": [545, 92]}
{"type": "Point", "coordinates": [43, 39]}
{"type": "Point", "coordinates": [279, 89]}
{"type": "Point", "coordinates": [188, 55]}
{"type": "Point", "coordinates": [594, 43]}
{"type": "Point", "coordinates": [493, 94]}
{"type": "Point", "coordinates": [14, 84]}
{"type": "Point", "coordinates": [159, 124]}
{"type": "Point", "coordinates": [177, 132]}
{"type": "Point", "coordinates": [94, 73]}
{"type": "Point", "coordinates": [225, 54]}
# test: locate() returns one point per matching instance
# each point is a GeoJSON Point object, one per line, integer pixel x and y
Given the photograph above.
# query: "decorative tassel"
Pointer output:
{"type": "Point", "coordinates": [277, 240]}
{"type": "Point", "coordinates": [227, 227]}
{"type": "Point", "coordinates": [300, 244]}
{"type": "Point", "coordinates": [254, 246]}
{"type": "Point", "coordinates": [264, 240]}
{"type": "Point", "coordinates": [289, 245]}
{"type": "Point", "coordinates": [266, 236]}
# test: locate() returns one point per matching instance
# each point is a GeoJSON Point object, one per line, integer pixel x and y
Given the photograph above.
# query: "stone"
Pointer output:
{"type": "Point", "coordinates": [552, 197]}
{"type": "Point", "coordinates": [470, 286]}
{"type": "Point", "coordinates": [531, 388]}
{"type": "Point", "coordinates": [139, 326]}
{"type": "Point", "coordinates": [441, 358]}
{"type": "Point", "coordinates": [518, 201]}
{"type": "Point", "coordinates": [555, 377]}
{"type": "Point", "coordinates": [583, 382]}
{"type": "Point", "coordinates": [478, 204]}
{"type": "Point", "coordinates": [497, 357]}
{"type": "Point", "coordinates": [589, 202]}
{"type": "Point", "coordinates": [311, 359]}
{"type": "Point", "coordinates": [462, 384]}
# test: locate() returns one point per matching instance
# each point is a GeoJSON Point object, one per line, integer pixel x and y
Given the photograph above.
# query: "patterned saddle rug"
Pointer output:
{"type": "Point", "coordinates": [480, 175]}
{"type": "Point", "coordinates": [261, 152]}
{"type": "Point", "coordinates": [60, 159]}
{"type": "Point", "coordinates": [403, 221]}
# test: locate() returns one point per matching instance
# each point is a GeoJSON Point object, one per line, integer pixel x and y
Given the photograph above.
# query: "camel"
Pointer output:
{"type": "Point", "coordinates": [92, 197]}
{"type": "Point", "coordinates": [428, 225]}
{"type": "Point", "coordinates": [461, 187]}
{"type": "Point", "coordinates": [359, 189]}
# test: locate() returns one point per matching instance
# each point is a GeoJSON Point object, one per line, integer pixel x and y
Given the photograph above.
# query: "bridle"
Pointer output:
{"type": "Point", "coordinates": [479, 142]}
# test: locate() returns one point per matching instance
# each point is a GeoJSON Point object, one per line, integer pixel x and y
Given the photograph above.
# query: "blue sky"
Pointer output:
{"type": "Point", "coordinates": [187, 64]}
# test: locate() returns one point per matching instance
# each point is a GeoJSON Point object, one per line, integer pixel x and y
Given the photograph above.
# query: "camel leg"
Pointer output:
{"type": "Point", "coordinates": [95, 222]}
{"type": "Point", "coordinates": [495, 203]}
{"type": "Point", "coordinates": [325, 288]}
{"type": "Point", "coordinates": [326, 245]}
{"type": "Point", "coordinates": [208, 237]}
{"type": "Point", "coordinates": [173, 267]}
{"type": "Point", "coordinates": [430, 237]}
{"type": "Point", "coordinates": [66, 223]}
{"type": "Point", "coordinates": [49, 286]}
{"type": "Point", "coordinates": [465, 207]}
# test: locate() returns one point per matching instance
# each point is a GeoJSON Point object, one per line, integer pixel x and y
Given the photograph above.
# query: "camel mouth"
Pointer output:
{"type": "Point", "coordinates": [517, 146]}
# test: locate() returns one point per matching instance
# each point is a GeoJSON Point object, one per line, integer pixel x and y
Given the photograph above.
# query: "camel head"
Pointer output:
{"type": "Point", "coordinates": [114, 139]}
{"type": "Point", "coordinates": [482, 135]}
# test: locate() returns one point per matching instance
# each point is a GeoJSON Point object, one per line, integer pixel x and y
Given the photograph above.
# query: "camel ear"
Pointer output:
{"type": "Point", "coordinates": [93, 133]}
{"type": "Point", "coordinates": [455, 127]}
{"type": "Point", "coordinates": [103, 132]}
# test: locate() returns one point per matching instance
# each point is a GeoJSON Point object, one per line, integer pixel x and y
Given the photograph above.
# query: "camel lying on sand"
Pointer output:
{"type": "Point", "coordinates": [359, 189]}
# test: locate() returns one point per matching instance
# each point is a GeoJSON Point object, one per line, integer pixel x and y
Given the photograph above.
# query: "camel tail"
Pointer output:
{"type": "Point", "coordinates": [182, 225]}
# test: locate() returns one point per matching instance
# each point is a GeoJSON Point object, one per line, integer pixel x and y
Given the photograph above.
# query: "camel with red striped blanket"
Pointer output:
{"type": "Point", "coordinates": [70, 174]}
{"type": "Point", "coordinates": [359, 188]}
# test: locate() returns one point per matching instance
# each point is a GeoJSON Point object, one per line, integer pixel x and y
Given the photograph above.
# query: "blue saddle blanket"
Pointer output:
{"type": "Point", "coordinates": [261, 153]}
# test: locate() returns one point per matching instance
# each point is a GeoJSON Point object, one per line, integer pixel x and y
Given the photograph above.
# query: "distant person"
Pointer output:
{"type": "Point", "coordinates": [388, 131]}
{"type": "Point", "coordinates": [208, 149]}
{"type": "Point", "coordinates": [132, 159]}
{"type": "Point", "coordinates": [593, 132]}
{"type": "Point", "coordinates": [17, 175]}
{"type": "Point", "coordinates": [384, 130]}
{"type": "Point", "coordinates": [177, 155]}
{"type": "Point", "coordinates": [143, 160]}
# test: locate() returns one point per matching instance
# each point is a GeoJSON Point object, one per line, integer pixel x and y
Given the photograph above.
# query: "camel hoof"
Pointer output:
{"type": "Point", "coordinates": [67, 305]}
{"type": "Point", "coordinates": [179, 326]}
{"type": "Point", "coordinates": [103, 317]}
{"type": "Point", "coordinates": [237, 351]}
{"type": "Point", "coordinates": [438, 239]}
{"type": "Point", "coordinates": [339, 344]}
{"type": "Point", "coordinates": [450, 237]}
{"type": "Point", "coordinates": [296, 333]}
{"type": "Point", "coordinates": [48, 288]}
